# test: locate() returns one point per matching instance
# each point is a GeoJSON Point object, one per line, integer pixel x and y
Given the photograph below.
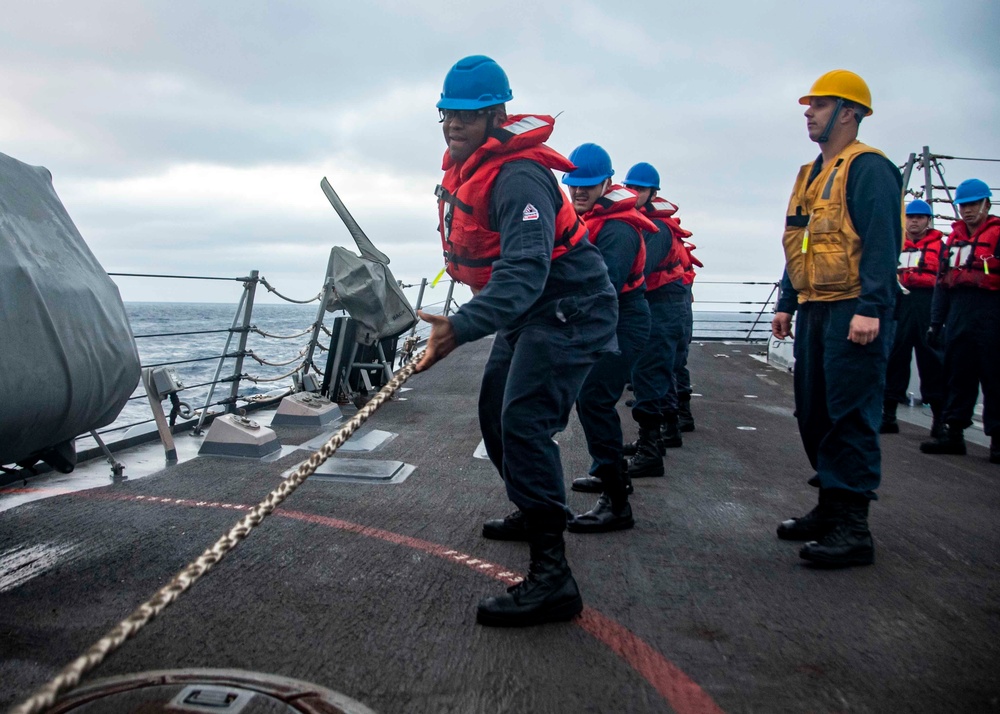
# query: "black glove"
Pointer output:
{"type": "Point", "coordinates": [934, 337]}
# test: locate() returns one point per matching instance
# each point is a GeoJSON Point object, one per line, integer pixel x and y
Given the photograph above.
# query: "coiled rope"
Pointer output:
{"type": "Point", "coordinates": [70, 676]}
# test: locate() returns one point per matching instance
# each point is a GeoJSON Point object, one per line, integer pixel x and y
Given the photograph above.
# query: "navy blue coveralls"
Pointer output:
{"type": "Point", "coordinates": [619, 244]}
{"type": "Point", "coordinates": [653, 372]}
{"type": "Point", "coordinates": [682, 376]}
{"type": "Point", "coordinates": [839, 383]}
{"type": "Point", "coordinates": [913, 319]}
{"type": "Point", "coordinates": [553, 319]}
{"type": "Point", "coordinates": [971, 319]}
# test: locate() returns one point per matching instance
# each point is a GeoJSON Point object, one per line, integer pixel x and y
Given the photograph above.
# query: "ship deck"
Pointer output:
{"type": "Point", "coordinates": [370, 589]}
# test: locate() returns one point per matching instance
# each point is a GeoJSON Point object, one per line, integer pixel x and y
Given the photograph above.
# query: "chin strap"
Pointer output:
{"type": "Point", "coordinates": [825, 136]}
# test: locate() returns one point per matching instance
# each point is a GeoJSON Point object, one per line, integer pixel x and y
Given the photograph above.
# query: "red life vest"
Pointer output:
{"type": "Point", "coordinates": [972, 261]}
{"type": "Point", "coordinates": [918, 262]}
{"type": "Point", "coordinates": [470, 246]}
{"type": "Point", "coordinates": [618, 204]}
{"type": "Point", "coordinates": [689, 271]}
{"type": "Point", "coordinates": [672, 267]}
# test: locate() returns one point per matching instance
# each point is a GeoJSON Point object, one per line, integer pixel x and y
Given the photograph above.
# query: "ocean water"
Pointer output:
{"type": "Point", "coordinates": [191, 338]}
{"type": "Point", "coordinates": [195, 335]}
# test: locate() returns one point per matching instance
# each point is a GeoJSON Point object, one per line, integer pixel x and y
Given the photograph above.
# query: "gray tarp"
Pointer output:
{"type": "Point", "coordinates": [67, 357]}
{"type": "Point", "coordinates": [370, 295]}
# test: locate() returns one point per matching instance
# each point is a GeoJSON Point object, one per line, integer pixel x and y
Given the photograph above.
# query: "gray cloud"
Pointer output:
{"type": "Point", "coordinates": [190, 137]}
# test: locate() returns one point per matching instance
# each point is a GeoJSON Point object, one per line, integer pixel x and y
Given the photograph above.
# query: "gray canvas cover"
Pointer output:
{"type": "Point", "coordinates": [68, 361]}
{"type": "Point", "coordinates": [370, 295]}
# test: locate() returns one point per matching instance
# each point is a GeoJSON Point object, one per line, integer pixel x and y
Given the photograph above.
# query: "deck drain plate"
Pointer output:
{"type": "Point", "coordinates": [359, 471]}
{"type": "Point", "coordinates": [362, 441]}
{"type": "Point", "coordinates": [223, 691]}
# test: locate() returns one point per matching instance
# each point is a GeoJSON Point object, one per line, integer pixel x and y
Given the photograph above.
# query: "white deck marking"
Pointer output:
{"type": "Point", "coordinates": [22, 563]}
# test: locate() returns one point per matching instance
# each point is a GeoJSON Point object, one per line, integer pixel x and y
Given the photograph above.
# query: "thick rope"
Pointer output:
{"type": "Point", "coordinates": [70, 676]}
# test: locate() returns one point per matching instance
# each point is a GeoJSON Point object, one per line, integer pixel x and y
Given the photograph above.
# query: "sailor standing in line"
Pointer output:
{"type": "Point", "coordinates": [655, 407]}
{"type": "Point", "coordinates": [918, 267]}
{"type": "Point", "coordinates": [842, 239]}
{"type": "Point", "coordinates": [666, 261]}
{"type": "Point", "coordinates": [662, 271]}
{"type": "Point", "coordinates": [967, 307]}
{"type": "Point", "coordinates": [510, 233]}
{"type": "Point", "coordinates": [682, 376]}
{"type": "Point", "coordinates": [616, 228]}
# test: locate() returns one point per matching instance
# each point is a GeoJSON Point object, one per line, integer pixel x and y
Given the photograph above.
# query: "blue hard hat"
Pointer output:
{"type": "Point", "coordinates": [473, 83]}
{"type": "Point", "coordinates": [972, 190]}
{"type": "Point", "coordinates": [643, 174]}
{"type": "Point", "coordinates": [593, 165]}
{"type": "Point", "coordinates": [919, 208]}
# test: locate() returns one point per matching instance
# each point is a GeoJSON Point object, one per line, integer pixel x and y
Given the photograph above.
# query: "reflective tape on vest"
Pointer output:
{"type": "Point", "coordinates": [528, 123]}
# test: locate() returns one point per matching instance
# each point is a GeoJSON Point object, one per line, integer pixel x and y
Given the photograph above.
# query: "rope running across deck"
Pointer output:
{"type": "Point", "coordinates": [70, 676]}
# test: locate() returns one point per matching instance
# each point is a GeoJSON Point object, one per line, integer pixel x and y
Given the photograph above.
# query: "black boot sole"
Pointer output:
{"type": "Point", "coordinates": [605, 527]}
{"type": "Point", "coordinates": [889, 429]}
{"type": "Point", "coordinates": [801, 536]}
{"type": "Point", "coordinates": [504, 534]}
{"type": "Point", "coordinates": [587, 485]}
{"type": "Point", "coordinates": [599, 488]}
{"type": "Point", "coordinates": [949, 451]}
{"type": "Point", "coordinates": [819, 560]}
{"type": "Point", "coordinates": [644, 474]}
{"type": "Point", "coordinates": [687, 428]}
{"type": "Point", "coordinates": [560, 612]}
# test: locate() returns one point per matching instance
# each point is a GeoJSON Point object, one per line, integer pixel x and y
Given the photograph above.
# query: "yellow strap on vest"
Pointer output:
{"type": "Point", "coordinates": [805, 241]}
{"type": "Point", "coordinates": [434, 282]}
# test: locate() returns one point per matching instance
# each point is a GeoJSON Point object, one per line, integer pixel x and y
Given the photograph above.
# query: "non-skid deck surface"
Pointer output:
{"type": "Point", "coordinates": [371, 590]}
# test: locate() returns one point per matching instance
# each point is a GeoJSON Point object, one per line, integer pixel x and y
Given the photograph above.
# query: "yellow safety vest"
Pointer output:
{"type": "Point", "coordinates": [822, 248]}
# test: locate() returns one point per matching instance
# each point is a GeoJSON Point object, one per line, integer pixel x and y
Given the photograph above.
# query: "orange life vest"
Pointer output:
{"type": "Point", "coordinates": [689, 271]}
{"type": "Point", "coordinates": [972, 260]}
{"type": "Point", "coordinates": [618, 204]}
{"type": "Point", "coordinates": [673, 266]}
{"type": "Point", "coordinates": [918, 261]}
{"type": "Point", "coordinates": [470, 245]}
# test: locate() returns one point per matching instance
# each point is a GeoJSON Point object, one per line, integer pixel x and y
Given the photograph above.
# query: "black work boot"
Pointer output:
{"type": "Point", "coordinates": [937, 423]}
{"type": "Point", "coordinates": [612, 512]}
{"type": "Point", "coordinates": [593, 484]}
{"type": "Point", "coordinates": [670, 433]}
{"type": "Point", "coordinates": [547, 594]}
{"type": "Point", "coordinates": [812, 526]}
{"type": "Point", "coordinates": [849, 542]}
{"type": "Point", "coordinates": [889, 424]}
{"type": "Point", "coordinates": [512, 527]}
{"type": "Point", "coordinates": [685, 420]}
{"type": "Point", "coordinates": [951, 443]}
{"type": "Point", "coordinates": [648, 459]}
{"type": "Point", "coordinates": [630, 447]}
{"type": "Point", "coordinates": [995, 449]}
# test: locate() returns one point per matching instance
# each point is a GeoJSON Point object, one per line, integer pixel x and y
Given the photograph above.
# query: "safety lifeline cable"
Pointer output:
{"type": "Point", "coordinates": [71, 674]}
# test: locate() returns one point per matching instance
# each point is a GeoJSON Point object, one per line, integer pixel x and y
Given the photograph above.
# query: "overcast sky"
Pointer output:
{"type": "Point", "coordinates": [190, 138]}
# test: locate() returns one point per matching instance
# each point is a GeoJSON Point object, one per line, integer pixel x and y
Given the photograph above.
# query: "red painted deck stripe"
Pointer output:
{"type": "Point", "coordinates": [681, 692]}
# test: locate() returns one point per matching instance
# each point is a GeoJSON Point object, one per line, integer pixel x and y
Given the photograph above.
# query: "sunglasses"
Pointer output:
{"type": "Point", "coordinates": [465, 116]}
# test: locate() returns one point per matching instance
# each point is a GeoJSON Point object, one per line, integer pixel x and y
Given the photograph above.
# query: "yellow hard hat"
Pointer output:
{"type": "Point", "coordinates": [843, 84]}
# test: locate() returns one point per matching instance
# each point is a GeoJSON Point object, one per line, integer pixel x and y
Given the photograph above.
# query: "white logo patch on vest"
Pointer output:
{"type": "Point", "coordinates": [530, 213]}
